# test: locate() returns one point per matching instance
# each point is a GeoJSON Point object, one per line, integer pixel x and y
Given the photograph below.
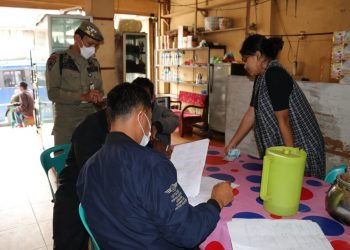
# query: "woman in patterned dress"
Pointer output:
{"type": "Point", "coordinates": [279, 111]}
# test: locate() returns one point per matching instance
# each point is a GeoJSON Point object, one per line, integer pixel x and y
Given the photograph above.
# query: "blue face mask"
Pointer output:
{"type": "Point", "coordinates": [145, 138]}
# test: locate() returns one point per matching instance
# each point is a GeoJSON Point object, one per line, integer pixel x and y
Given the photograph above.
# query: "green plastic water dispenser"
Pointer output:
{"type": "Point", "coordinates": [282, 179]}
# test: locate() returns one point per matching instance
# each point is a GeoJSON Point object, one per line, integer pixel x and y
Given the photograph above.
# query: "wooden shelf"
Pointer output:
{"type": "Point", "coordinates": [166, 66]}
{"type": "Point", "coordinates": [161, 80]}
{"type": "Point", "coordinates": [182, 49]}
{"type": "Point", "coordinates": [225, 30]}
{"type": "Point", "coordinates": [174, 96]}
{"type": "Point", "coordinates": [194, 66]}
{"type": "Point", "coordinates": [185, 83]}
{"type": "Point", "coordinates": [209, 7]}
{"type": "Point", "coordinates": [192, 49]}
{"type": "Point", "coordinates": [214, 6]}
{"type": "Point", "coordinates": [180, 13]}
{"type": "Point", "coordinates": [193, 84]}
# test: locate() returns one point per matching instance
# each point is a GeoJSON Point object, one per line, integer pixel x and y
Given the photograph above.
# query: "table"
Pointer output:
{"type": "Point", "coordinates": [246, 171]}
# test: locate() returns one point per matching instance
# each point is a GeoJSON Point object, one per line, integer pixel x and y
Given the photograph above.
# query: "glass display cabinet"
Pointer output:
{"type": "Point", "coordinates": [52, 33]}
{"type": "Point", "coordinates": [131, 55]}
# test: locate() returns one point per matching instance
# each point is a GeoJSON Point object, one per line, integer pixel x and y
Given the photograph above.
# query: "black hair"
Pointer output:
{"type": "Point", "coordinates": [23, 85]}
{"type": "Point", "coordinates": [270, 47]}
{"type": "Point", "coordinates": [144, 83]}
{"type": "Point", "coordinates": [80, 33]}
{"type": "Point", "coordinates": [123, 98]}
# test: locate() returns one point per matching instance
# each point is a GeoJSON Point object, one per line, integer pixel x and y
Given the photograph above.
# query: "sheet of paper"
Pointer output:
{"type": "Point", "coordinates": [189, 160]}
{"type": "Point", "coordinates": [207, 184]}
{"type": "Point", "coordinates": [265, 234]}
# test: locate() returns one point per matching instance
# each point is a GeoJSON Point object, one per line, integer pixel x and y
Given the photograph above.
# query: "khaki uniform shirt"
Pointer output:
{"type": "Point", "coordinates": [68, 76]}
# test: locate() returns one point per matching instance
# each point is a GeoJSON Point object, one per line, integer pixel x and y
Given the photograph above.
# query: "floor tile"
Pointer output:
{"type": "Point", "coordinates": [22, 238]}
{"type": "Point", "coordinates": [39, 194]}
{"type": "Point", "coordinates": [12, 199]}
{"type": "Point", "coordinates": [43, 211]}
{"type": "Point", "coordinates": [46, 230]}
{"type": "Point", "coordinates": [14, 217]}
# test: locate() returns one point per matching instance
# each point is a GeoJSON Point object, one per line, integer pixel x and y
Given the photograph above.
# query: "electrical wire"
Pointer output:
{"type": "Point", "coordinates": [256, 11]}
{"type": "Point", "coordinates": [290, 49]}
{"type": "Point", "coordinates": [256, 3]}
{"type": "Point", "coordinates": [297, 50]}
{"type": "Point", "coordinates": [193, 5]}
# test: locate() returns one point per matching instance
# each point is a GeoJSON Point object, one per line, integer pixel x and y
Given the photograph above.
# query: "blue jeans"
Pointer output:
{"type": "Point", "coordinates": [19, 117]}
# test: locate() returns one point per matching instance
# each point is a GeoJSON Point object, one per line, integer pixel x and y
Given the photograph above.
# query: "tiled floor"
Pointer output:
{"type": "Point", "coordinates": [25, 198]}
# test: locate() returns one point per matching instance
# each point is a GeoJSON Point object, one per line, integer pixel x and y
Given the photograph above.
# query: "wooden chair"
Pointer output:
{"type": "Point", "coordinates": [187, 118]}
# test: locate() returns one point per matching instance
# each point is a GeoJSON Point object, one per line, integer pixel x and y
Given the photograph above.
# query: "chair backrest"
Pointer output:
{"type": "Point", "coordinates": [83, 220]}
{"type": "Point", "coordinates": [192, 98]}
{"type": "Point", "coordinates": [163, 101]}
{"type": "Point", "coordinates": [54, 157]}
{"type": "Point", "coordinates": [333, 172]}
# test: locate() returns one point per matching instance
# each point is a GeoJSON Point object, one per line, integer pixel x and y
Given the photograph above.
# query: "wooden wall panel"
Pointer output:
{"type": "Point", "coordinates": [136, 7]}
{"type": "Point", "coordinates": [271, 16]}
{"type": "Point", "coordinates": [311, 17]}
{"type": "Point", "coordinates": [42, 4]}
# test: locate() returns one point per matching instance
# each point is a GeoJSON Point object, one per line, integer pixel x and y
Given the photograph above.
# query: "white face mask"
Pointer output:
{"type": "Point", "coordinates": [87, 52]}
{"type": "Point", "coordinates": [145, 138]}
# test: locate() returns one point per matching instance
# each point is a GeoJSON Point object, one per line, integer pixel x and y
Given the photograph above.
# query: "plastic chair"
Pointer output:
{"type": "Point", "coordinates": [333, 172]}
{"type": "Point", "coordinates": [83, 220]}
{"type": "Point", "coordinates": [54, 157]}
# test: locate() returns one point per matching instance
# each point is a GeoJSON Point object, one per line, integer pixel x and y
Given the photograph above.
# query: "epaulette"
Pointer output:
{"type": "Point", "coordinates": [51, 61]}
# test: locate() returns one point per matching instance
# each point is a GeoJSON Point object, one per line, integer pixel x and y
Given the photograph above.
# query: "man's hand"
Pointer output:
{"type": "Point", "coordinates": [93, 96]}
{"type": "Point", "coordinates": [222, 193]}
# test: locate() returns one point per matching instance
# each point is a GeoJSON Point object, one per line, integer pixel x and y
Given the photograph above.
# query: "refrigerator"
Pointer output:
{"type": "Point", "coordinates": [219, 75]}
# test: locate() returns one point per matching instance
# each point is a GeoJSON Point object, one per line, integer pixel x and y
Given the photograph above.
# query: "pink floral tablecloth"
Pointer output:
{"type": "Point", "coordinates": [246, 171]}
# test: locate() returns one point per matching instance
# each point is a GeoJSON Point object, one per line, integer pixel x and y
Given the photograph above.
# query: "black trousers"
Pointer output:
{"type": "Point", "coordinates": [68, 230]}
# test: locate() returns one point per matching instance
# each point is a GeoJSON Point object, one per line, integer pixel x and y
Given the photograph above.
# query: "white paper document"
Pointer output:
{"type": "Point", "coordinates": [207, 184]}
{"type": "Point", "coordinates": [189, 160]}
{"type": "Point", "coordinates": [265, 234]}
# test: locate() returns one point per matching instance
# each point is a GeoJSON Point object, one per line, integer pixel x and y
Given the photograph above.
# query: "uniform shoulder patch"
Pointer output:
{"type": "Point", "coordinates": [51, 61]}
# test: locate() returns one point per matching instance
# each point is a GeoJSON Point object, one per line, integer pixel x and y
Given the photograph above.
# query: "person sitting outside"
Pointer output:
{"type": "Point", "coordinates": [164, 121]}
{"type": "Point", "coordinates": [130, 193]}
{"type": "Point", "coordinates": [26, 105]}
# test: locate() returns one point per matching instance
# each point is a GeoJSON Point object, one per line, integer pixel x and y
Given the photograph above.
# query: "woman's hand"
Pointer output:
{"type": "Point", "coordinates": [228, 147]}
{"type": "Point", "coordinates": [245, 126]}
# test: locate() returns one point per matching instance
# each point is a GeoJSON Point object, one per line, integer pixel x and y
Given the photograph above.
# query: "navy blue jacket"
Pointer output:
{"type": "Point", "coordinates": [132, 200]}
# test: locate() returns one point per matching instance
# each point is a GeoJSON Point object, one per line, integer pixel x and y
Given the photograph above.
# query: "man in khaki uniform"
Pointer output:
{"type": "Point", "coordinates": [74, 82]}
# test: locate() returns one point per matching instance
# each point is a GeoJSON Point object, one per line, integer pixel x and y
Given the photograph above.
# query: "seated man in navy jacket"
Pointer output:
{"type": "Point", "coordinates": [130, 192]}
